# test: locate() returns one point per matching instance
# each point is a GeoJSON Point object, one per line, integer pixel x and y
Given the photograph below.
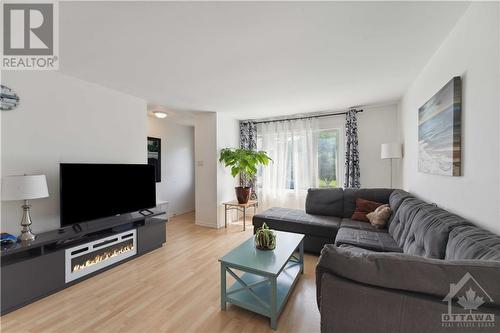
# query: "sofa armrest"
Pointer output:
{"type": "Point", "coordinates": [351, 307]}
{"type": "Point", "coordinates": [405, 272]}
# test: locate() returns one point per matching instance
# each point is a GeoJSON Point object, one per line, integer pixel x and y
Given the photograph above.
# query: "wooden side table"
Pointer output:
{"type": "Point", "coordinates": [235, 205]}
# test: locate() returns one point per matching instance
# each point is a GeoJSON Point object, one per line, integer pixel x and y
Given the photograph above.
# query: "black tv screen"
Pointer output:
{"type": "Point", "coordinates": [93, 191]}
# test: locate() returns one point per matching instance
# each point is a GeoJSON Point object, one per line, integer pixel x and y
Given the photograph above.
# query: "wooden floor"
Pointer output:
{"type": "Point", "coordinates": [173, 289]}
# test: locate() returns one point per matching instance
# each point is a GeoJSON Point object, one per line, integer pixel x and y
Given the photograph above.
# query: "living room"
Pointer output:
{"type": "Point", "coordinates": [250, 166]}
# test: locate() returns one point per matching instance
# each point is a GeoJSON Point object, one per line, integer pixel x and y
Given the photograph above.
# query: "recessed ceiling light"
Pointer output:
{"type": "Point", "coordinates": [160, 114]}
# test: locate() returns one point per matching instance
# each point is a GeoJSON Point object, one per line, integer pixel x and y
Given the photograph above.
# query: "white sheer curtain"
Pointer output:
{"type": "Point", "coordinates": [293, 146]}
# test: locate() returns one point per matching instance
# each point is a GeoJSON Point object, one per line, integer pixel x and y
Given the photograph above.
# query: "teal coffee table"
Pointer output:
{"type": "Point", "coordinates": [268, 276]}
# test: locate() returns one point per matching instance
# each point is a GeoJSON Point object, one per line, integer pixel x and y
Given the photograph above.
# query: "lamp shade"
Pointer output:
{"type": "Point", "coordinates": [24, 187]}
{"type": "Point", "coordinates": [391, 150]}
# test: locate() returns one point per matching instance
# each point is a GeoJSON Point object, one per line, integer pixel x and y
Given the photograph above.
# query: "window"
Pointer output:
{"type": "Point", "coordinates": [306, 153]}
{"type": "Point", "coordinates": [327, 155]}
{"type": "Point", "coordinates": [328, 159]}
{"type": "Point", "coordinates": [292, 159]}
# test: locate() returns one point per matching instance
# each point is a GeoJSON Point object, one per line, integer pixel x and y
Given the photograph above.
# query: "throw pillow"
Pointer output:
{"type": "Point", "coordinates": [364, 207]}
{"type": "Point", "coordinates": [378, 218]}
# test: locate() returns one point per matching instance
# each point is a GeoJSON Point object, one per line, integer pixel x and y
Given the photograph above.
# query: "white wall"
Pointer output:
{"type": "Point", "coordinates": [63, 119]}
{"type": "Point", "coordinates": [177, 164]}
{"type": "Point", "coordinates": [214, 183]}
{"type": "Point", "coordinates": [377, 125]}
{"type": "Point", "coordinates": [205, 152]}
{"type": "Point", "coordinates": [228, 136]}
{"type": "Point", "coordinates": [472, 51]}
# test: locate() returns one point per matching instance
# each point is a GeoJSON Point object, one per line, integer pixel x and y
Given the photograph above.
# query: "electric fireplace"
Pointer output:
{"type": "Point", "coordinates": [93, 256]}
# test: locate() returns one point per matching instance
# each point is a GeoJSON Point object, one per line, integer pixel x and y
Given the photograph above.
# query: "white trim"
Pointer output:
{"type": "Point", "coordinates": [207, 224]}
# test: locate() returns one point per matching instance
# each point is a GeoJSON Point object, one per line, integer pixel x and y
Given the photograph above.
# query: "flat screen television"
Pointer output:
{"type": "Point", "coordinates": [92, 191]}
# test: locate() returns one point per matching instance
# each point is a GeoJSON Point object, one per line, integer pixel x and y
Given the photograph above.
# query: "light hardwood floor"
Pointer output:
{"type": "Point", "coordinates": [173, 289]}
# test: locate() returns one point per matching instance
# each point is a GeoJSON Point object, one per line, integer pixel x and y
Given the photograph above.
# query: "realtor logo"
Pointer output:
{"type": "Point", "coordinates": [30, 36]}
{"type": "Point", "coordinates": [469, 295]}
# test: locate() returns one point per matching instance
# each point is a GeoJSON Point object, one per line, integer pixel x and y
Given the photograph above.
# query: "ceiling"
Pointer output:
{"type": "Point", "coordinates": [254, 59]}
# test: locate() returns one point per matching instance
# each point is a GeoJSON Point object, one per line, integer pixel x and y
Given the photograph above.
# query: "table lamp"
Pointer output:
{"type": "Point", "coordinates": [25, 188]}
{"type": "Point", "coordinates": [391, 151]}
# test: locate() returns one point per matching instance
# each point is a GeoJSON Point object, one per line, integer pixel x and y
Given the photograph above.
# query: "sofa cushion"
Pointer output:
{"type": "Point", "coordinates": [378, 218]}
{"type": "Point", "coordinates": [422, 229]}
{"type": "Point", "coordinates": [371, 240]}
{"type": "Point", "coordinates": [395, 200]}
{"type": "Point", "coordinates": [353, 248]}
{"type": "Point", "coordinates": [364, 207]}
{"type": "Point", "coordinates": [295, 220]}
{"type": "Point", "coordinates": [353, 224]}
{"type": "Point", "coordinates": [402, 221]}
{"type": "Point", "coordinates": [471, 242]}
{"type": "Point", "coordinates": [373, 194]}
{"type": "Point", "coordinates": [325, 201]}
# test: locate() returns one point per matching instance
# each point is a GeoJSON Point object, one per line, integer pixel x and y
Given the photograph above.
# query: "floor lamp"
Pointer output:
{"type": "Point", "coordinates": [391, 151]}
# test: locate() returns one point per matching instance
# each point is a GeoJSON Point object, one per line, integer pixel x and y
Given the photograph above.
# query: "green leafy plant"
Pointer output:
{"type": "Point", "coordinates": [265, 238]}
{"type": "Point", "coordinates": [243, 162]}
{"type": "Point", "coordinates": [327, 183]}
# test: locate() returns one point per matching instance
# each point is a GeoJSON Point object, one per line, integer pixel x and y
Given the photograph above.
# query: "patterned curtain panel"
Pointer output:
{"type": "Point", "coordinates": [352, 174]}
{"type": "Point", "coordinates": [248, 140]}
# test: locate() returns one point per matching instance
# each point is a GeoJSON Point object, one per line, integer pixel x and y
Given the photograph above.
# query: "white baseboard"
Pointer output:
{"type": "Point", "coordinates": [206, 224]}
{"type": "Point", "coordinates": [182, 212]}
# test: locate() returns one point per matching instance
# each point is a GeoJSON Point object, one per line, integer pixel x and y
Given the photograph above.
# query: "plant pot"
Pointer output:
{"type": "Point", "coordinates": [243, 194]}
{"type": "Point", "coordinates": [265, 238]}
{"type": "Point", "coordinates": [263, 248]}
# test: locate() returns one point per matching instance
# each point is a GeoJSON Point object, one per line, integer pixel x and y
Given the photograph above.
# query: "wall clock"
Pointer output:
{"type": "Point", "coordinates": [8, 99]}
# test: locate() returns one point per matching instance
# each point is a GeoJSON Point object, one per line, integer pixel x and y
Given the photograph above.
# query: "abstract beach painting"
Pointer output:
{"type": "Point", "coordinates": [440, 131]}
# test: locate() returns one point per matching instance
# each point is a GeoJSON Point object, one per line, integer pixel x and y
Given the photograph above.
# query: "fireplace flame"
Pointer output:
{"type": "Point", "coordinates": [104, 256]}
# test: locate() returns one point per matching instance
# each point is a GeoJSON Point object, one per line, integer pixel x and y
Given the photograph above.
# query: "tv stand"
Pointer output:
{"type": "Point", "coordinates": [146, 212]}
{"type": "Point", "coordinates": [76, 227]}
{"type": "Point", "coordinates": [41, 263]}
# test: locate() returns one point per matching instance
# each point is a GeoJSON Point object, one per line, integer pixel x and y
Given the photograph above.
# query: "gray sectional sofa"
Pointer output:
{"type": "Point", "coordinates": [407, 277]}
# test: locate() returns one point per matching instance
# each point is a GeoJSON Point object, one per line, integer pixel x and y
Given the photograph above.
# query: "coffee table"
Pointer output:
{"type": "Point", "coordinates": [268, 276]}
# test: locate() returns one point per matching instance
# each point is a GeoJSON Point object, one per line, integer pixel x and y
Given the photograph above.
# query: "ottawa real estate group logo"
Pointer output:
{"type": "Point", "coordinates": [30, 36]}
{"type": "Point", "coordinates": [469, 296]}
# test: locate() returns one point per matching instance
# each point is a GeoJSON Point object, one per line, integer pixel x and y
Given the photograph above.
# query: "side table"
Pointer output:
{"type": "Point", "coordinates": [235, 205]}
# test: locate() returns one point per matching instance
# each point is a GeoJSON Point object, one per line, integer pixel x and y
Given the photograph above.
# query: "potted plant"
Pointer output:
{"type": "Point", "coordinates": [265, 238]}
{"type": "Point", "coordinates": [243, 162]}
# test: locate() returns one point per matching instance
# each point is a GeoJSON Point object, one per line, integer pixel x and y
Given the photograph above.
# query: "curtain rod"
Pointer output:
{"type": "Point", "coordinates": [299, 118]}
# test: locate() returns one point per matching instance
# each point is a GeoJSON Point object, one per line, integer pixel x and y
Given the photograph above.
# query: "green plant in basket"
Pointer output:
{"type": "Point", "coordinates": [265, 238]}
